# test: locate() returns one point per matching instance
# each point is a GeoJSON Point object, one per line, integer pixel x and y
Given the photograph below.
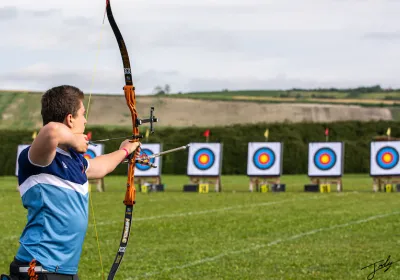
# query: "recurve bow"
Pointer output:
{"type": "Point", "coordinates": [129, 90]}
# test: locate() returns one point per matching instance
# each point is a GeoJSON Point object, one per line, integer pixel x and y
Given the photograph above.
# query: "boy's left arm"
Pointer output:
{"type": "Point", "coordinates": [100, 166]}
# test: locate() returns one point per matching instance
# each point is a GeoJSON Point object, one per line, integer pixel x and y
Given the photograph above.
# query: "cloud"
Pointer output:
{"type": "Point", "coordinates": [43, 76]}
{"type": "Point", "coordinates": [201, 45]}
{"type": "Point", "coordinates": [278, 82]}
{"type": "Point", "coordinates": [7, 13]}
{"type": "Point", "coordinates": [382, 35]}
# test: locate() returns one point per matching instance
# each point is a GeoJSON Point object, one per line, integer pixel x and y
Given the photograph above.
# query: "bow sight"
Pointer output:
{"type": "Point", "coordinates": [152, 119]}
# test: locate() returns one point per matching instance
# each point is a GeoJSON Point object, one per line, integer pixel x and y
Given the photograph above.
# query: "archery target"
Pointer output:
{"type": "Point", "coordinates": [142, 170]}
{"type": "Point", "coordinates": [264, 159]}
{"type": "Point", "coordinates": [94, 151]}
{"type": "Point", "coordinates": [19, 150]}
{"type": "Point", "coordinates": [325, 159]}
{"type": "Point", "coordinates": [204, 159]}
{"type": "Point", "coordinates": [385, 158]}
{"type": "Point", "coordinates": [89, 154]}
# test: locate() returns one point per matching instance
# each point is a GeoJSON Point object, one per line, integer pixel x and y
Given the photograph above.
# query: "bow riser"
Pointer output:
{"type": "Point", "coordinates": [130, 195]}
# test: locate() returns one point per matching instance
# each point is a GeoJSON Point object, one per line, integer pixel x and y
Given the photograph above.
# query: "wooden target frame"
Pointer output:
{"type": "Point", "coordinates": [264, 173]}
{"type": "Point", "coordinates": [325, 180]}
{"type": "Point", "coordinates": [383, 182]}
{"type": "Point", "coordinates": [213, 177]}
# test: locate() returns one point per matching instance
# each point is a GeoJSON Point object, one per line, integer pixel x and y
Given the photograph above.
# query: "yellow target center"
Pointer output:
{"type": "Point", "coordinates": [203, 159]}
{"type": "Point", "coordinates": [387, 158]}
{"type": "Point", "coordinates": [325, 159]}
{"type": "Point", "coordinates": [264, 158]}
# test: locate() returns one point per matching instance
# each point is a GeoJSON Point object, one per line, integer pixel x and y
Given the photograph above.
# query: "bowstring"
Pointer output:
{"type": "Point", "coordinates": [87, 117]}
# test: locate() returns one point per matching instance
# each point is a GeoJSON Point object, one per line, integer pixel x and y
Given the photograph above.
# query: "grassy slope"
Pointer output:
{"type": "Point", "coordinates": [233, 234]}
{"type": "Point", "coordinates": [365, 99]}
{"type": "Point", "coordinates": [21, 110]}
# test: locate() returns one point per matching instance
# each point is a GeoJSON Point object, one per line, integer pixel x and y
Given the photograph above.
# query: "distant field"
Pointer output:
{"type": "Point", "coordinates": [293, 94]}
{"type": "Point", "coordinates": [319, 100]}
{"type": "Point", "coordinates": [21, 109]}
{"type": "Point", "coordinates": [234, 234]}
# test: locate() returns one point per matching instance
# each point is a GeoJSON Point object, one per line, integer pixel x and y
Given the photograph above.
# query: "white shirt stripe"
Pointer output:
{"type": "Point", "coordinates": [49, 179]}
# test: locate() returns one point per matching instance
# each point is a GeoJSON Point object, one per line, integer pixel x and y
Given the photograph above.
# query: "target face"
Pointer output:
{"type": "Point", "coordinates": [264, 158]}
{"type": "Point", "coordinates": [143, 170]}
{"type": "Point", "coordinates": [204, 159]}
{"type": "Point", "coordinates": [325, 159]}
{"type": "Point", "coordinates": [387, 158]}
{"type": "Point", "coordinates": [93, 151]}
{"type": "Point", "coordinates": [89, 154]}
{"type": "Point", "coordinates": [144, 152]}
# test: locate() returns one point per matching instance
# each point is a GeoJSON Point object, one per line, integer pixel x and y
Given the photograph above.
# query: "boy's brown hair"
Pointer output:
{"type": "Point", "coordinates": [60, 101]}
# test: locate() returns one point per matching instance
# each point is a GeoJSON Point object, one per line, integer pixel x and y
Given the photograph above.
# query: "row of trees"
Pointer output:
{"type": "Point", "coordinates": [353, 92]}
{"type": "Point", "coordinates": [295, 137]}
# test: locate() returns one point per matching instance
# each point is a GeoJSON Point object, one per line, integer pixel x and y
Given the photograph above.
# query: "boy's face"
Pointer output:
{"type": "Point", "coordinates": [79, 121]}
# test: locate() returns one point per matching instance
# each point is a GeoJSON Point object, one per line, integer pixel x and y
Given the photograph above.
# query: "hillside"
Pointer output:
{"type": "Point", "coordinates": [22, 110]}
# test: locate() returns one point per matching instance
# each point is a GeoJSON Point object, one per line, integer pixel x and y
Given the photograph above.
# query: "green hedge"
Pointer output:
{"type": "Point", "coordinates": [295, 137]}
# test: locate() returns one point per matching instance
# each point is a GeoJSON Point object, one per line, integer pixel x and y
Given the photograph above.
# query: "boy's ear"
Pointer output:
{"type": "Point", "coordinates": [68, 122]}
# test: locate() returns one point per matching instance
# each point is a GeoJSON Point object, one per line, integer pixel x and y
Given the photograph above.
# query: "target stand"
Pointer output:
{"type": "Point", "coordinates": [386, 183]}
{"type": "Point", "coordinates": [99, 183]}
{"type": "Point", "coordinates": [385, 164]}
{"type": "Point", "coordinates": [324, 183]}
{"type": "Point", "coordinates": [204, 183]}
{"type": "Point", "coordinates": [264, 166]}
{"type": "Point", "coordinates": [150, 183]}
{"type": "Point", "coordinates": [265, 184]}
{"type": "Point", "coordinates": [325, 166]}
{"type": "Point", "coordinates": [204, 167]}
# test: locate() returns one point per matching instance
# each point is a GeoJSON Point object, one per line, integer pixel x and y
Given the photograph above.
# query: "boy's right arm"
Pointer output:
{"type": "Point", "coordinates": [43, 148]}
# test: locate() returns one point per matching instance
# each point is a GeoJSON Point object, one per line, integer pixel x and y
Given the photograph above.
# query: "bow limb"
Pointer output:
{"type": "Point", "coordinates": [130, 195]}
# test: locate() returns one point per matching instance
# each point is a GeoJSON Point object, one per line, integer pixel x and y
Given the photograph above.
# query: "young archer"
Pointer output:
{"type": "Point", "coordinates": [53, 183]}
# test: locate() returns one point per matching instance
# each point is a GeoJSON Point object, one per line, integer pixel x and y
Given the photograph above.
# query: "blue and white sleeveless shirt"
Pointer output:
{"type": "Point", "coordinates": [56, 197]}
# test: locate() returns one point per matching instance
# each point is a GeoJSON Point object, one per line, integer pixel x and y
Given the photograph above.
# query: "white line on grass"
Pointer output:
{"type": "Point", "coordinates": [184, 214]}
{"type": "Point", "coordinates": [275, 242]}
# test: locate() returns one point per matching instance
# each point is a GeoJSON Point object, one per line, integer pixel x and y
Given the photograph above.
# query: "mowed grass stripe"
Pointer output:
{"type": "Point", "coordinates": [209, 211]}
{"type": "Point", "coordinates": [260, 246]}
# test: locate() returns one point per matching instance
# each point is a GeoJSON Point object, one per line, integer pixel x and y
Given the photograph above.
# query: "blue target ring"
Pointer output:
{"type": "Point", "coordinates": [89, 154]}
{"type": "Point", "coordinates": [264, 158]}
{"type": "Point", "coordinates": [325, 159]}
{"type": "Point", "coordinates": [152, 160]}
{"type": "Point", "coordinates": [387, 158]}
{"type": "Point", "coordinates": [203, 159]}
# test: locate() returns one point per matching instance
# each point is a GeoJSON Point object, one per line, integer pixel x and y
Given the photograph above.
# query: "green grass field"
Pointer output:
{"type": "Point", "coordinates": [233, 234]}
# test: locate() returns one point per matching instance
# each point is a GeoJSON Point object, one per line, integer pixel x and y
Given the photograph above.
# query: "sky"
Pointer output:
{"type": "Point", "coordinates": [205, 45]}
